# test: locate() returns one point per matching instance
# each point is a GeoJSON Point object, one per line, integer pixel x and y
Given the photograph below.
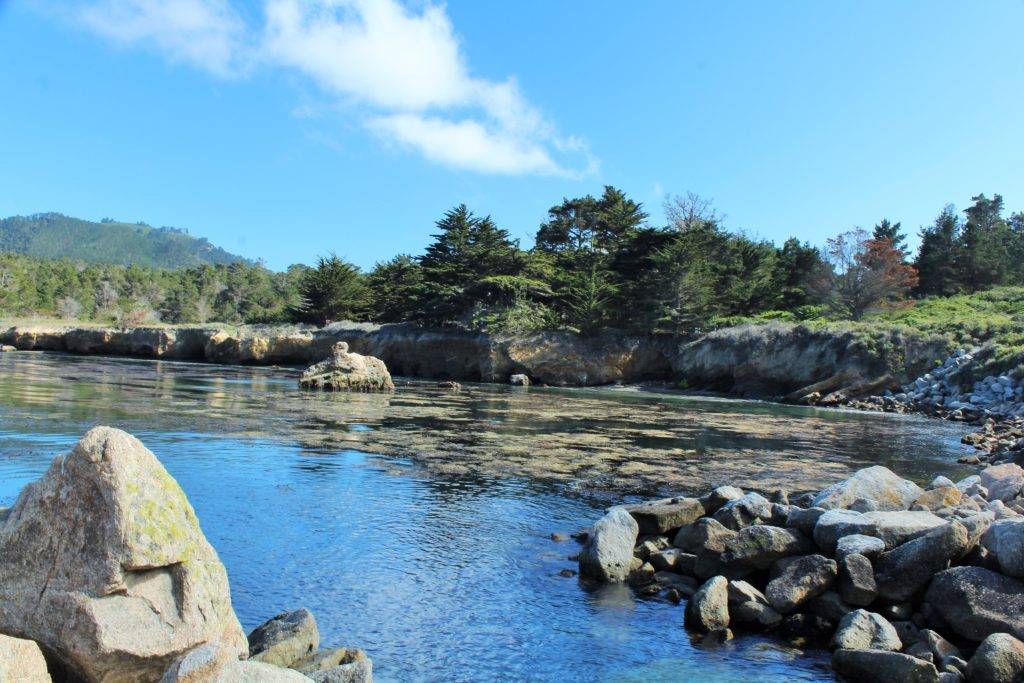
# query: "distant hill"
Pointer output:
{"type": "Point", "coordinates": [54, 235]}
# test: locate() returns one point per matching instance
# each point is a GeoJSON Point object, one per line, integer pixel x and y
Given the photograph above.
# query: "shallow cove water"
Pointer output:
{"type": "Point", "coordinates": [437, 558]}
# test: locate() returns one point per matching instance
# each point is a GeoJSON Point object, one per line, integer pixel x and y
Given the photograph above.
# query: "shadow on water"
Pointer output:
{"type": "Point", "coordinates": [417, 525]}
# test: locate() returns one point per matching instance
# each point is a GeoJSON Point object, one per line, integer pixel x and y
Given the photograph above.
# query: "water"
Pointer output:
{"type": "Point", "coordinates": [437, 558]}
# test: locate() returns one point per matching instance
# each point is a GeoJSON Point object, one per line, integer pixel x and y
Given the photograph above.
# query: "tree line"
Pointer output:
{"type": "Point", "coordinates": [597, 263]}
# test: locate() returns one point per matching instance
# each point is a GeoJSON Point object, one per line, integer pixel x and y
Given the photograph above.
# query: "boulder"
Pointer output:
{"type": "Point", "coordinates": [975, 602]}
{"type": "Point", "coordinates": [708, 609]}
{"type": "Point", "coordinates": [285, 639]}
{"type": "Point", "coordinates": [1004, 539]}
{"type": "Point", "coordinates": [105, 565]}
{"type": "Point", "coordinates": [830, 606]}
{"type": "Point", "coordinates": [873, 666]}
{"type": "Point", "coordinates": [941, 497]}
{"type": "Point", "coordinates": [718, 497]}
{"type": "Point", "coordinates": [758, 546]}
{"type": "Point", "coordinates": [359, 671]}
{"type": "Point", "coordinates": [1003, 482]}
{"type": "Point", "coordinates": [802, 579]}
{"type": "Point", "coordinates": [748, 509]}
{"type": "Point", "coordinates": [804, 519]}
{"type": "Point", "coordinates": [22, 661]}
{"type": "Point", "coordinates": [607, 554]}
{"type": "Point", "coordinates": [893, 528]}
{"type": "Point", "coordinates": [943, 651]}
{"type": "Point", "coordinates": [662, 516]}
{"type": "Point", "coordinates": [755, 614]}
{"type": "Point", "coordinates": [672, 560]}
{"type": "Point", "coordinates": [877, 487]}
{"type": "Point", "coordinates": [210, 663]}
{"type": "Point", "coordinates": [519, 380]}
{"type": "Point", "coordinates": [329, 658]}
{"type": "Point", "coordinates": [345, 371]}
{"type": "Point", "coordinates": [904, 571]}
{"type": "Point", "coordinates": [868, 546]}
{"type": "Point", "coordinates": [999, 659]}
{"type": "Point", "coordinates": [704, 535]}
{"type": "Point", "coordinates": [863, 630]}
{"type": "Point", "coordinates": [857, 580]}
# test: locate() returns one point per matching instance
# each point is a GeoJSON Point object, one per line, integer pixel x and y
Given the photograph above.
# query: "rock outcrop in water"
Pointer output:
{"type": "Point", "coordinates": [888, 574]}
{"type": "Point", "coordinates": [105, 567]}
{"type": "Point", "coordinates": [344, 371]}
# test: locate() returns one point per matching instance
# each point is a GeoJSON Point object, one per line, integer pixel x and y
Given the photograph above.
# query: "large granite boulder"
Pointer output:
{"type": "Point", "coordinates": [210, 663]}
{"type": "Point", "coordinates": [105, 566]}
{"type": "Point", "coordinates": [22, 661]}
{"type": "Point", "coordinates": [285, 639]}
{"type": "Point", "coordinates": [758, 546]}
{"type": "Point", "coordinates": [1004, 482]}
{"type": "Point", "coordinates": [905, 570]}
{"type": "Point", "coordinates": [662, 516]}
{"type": "Point", "coordinates": [1005, 541]}
{"type": "Point", "coordinates": [708, 609]}
{"type": "Point", "coordinates": [893, 528]}
{"type": "Point", "coordinates": [873, 666]}
{"type": "Point", "coordinates": [999, 659]}
{"type": "Point", "coordinates": [869, 489]}
{"type": "Point", "coordinates": [345, 371]}
{"type": "Point", "coordinates": [863, 630]}
{"type": "Point", "coordinates": [975, 602]}
{"type": "Point", "coordinates": [609, 548]}
{"type": "Point", "coordinates": [800, 580]}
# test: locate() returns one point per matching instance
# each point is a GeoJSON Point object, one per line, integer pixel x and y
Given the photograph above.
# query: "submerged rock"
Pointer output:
{"type": "Point", "coordinates": [345, 371]}
{"type": "Point", "coordinates": [105, 566]}
{"type": "Point", "coordinates": [609, 549]}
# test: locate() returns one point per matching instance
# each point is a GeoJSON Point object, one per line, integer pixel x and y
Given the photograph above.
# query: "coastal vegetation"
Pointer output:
{"type": "Point", "coordinates": [597, 264]}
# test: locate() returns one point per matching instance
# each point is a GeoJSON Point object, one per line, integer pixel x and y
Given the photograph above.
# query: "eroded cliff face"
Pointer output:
{"type": "Point", "coordinates": [761, 361]}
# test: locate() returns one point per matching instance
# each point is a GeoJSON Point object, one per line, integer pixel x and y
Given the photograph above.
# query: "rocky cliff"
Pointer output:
{"type": "Point", "coordinates": [761, 360]}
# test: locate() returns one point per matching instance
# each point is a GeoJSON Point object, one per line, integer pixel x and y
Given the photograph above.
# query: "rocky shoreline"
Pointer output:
{"type": "Point", "coordinates": [107, 576]}
{"type": "Point", "coordinates": [903, 583]}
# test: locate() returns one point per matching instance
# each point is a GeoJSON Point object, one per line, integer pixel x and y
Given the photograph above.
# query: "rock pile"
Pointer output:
{"type": "Point", "coordinates": [106, 572]}
{"type": "Point", "coordinates": [345, 371]}
{"type": "Point", "coordinates": [904, 583]}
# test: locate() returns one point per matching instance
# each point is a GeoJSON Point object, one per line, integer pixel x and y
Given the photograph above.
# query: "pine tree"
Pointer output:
{"type": "Point", "coordinates": [885, 229]}
{"type": "Point", "coordinates": [334, 290]}
{"type": "Point", "coordinates": [937, 257]}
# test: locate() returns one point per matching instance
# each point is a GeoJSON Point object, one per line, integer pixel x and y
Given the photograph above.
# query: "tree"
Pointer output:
{"type": "Point", "coordinates": [938, 255]}
{"type": "Point", "coordinates": [985, 245]}
{"type": "Point", "coordinates": [795, 269]}
{"type": "Point", "coordinates": [466, 250]}
{"type": "Point", "coordinates": [861, 273]}
{"type": "Point", "coordinates": [394, 286]}
{"type": "Point", "coordinates": [334, 290]}
{"type": "Point", "coordinates": [885, 229]}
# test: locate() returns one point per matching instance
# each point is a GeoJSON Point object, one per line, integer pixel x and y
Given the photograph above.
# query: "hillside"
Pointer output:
{"type": "Point", "coordinates": [54, 235]}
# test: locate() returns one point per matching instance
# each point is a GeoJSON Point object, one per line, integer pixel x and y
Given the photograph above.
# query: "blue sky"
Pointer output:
{"type": "Point", "coordinates": [284, 129]}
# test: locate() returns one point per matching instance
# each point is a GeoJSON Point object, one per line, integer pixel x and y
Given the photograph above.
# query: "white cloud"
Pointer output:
{"type": "Point", "coordinates": [204, 33]}
{"type": "Point", "coordinates": [402, 71]}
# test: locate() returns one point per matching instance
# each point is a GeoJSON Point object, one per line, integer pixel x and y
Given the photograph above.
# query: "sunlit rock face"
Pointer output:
{"type": "Point", "coordinates": [345, 371]}
{"type": "Point", "coordinates": [105, 566]}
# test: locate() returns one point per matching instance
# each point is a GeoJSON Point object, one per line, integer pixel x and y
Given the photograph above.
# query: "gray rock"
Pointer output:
{"type": "Point", "coordinates": [1004, 539]}
{"type": "Point", "coordinates": [211, 663]}
{"type": "Point", "coordinates": [907, 630]}
{"type": "Point", "coordinates": [877, 485]}
{"type": "Point", "coordinates": [873, 666]}
{"type": "Point", "coordinates": [758, 546]}
{"type": "Point", "coordinates": [904, 571]}
{"type": "Point", "coordinates": [748, 509]}
{"type": "Point", "coordinates": [742, 591]}
{"type": "Point", "coordinates": [942, 650]}
{"type": "Point", "coordinates": [893, 528]}
{"type": "Point", "coordinates": [975, 602]}
{"type": "Point", "coordinates": [345, 371]}
{"type": "Point", "coordinates": [719, 497]}
{"type": "Point", "coordinates": [686, 585]}
{"type": "Point", "coordinates": [519, 380]}
{"type": "Point", "coordinates": [968, 482]}
{"type": "Point", "coordinates": [1004, 482]}
{"type": "Point", "coordinates": [940, 482]}
{"type": "Point", "coordinates": [327, 658]}
{"type": "Point", "coordinates": [704, 535]}
{"type": "Point", "coordinates": [857, 580]}
{"type": "Point", "coordinates": [999, 659]}
{"type": "Point", "coordinates": [801, 580]}
{"type": "Point", "coordinates": [863, 630]}
{"type": "Point", "coordinates": [662, 516]}
{"type": "Point", "coordinates": [359, 671]}
{"type": "Point", "coordinates": [673, 560]}
{"type": "Point", "coordinates": [607, 554]}
{"type": "Point", "coordinates": [868, 546]}
{"type": "Point", "coordinates": [22, 661]}
{"type": "Point", "coordinates": [285, 639]}
{"type": "Point", "coordinates": [708, 609]}
{"type": "Point", "coordinates": [755, 614]}
{"type": "Point", "coordinates": [105, 566]}
{"type": "Point", "coordinates": [830, 606]}
{"type": "Point", "coordinates": [804, 519]}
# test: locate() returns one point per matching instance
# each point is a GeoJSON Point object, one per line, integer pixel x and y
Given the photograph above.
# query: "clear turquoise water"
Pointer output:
{"type": "Point", "coordinates": [448, 577]}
